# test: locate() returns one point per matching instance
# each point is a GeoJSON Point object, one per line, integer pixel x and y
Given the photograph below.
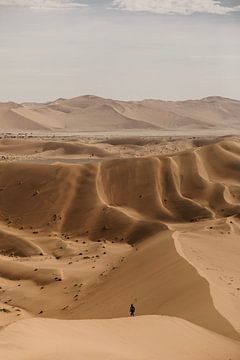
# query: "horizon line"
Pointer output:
{"type": "Point", "coordinates": [117, 99]}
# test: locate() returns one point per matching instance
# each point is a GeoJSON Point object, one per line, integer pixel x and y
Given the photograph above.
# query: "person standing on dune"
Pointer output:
{"type": "Point", "coordinates": [132, 310]}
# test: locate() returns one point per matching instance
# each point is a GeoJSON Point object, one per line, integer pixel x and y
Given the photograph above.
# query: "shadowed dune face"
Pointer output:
{"type": "Point", "coordinates": [111, 198]}
{"type": "Point", "coordinates": [65, 199]}
{"type": "Point", "coordinates": [98, 236]}
{"type": "Point", "coordinates": [159, 281]}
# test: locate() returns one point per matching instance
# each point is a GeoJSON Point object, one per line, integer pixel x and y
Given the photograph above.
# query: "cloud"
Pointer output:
{"type": "Point", "coordinates": [42, 4]}
{"type": "Point", "coordinates": [184, 7]}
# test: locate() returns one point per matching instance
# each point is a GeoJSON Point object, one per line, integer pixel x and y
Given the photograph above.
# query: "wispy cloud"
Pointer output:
{"type": "Point", "coordinates": [42, 4]}
{"type": "Point", "coordinates": [184, 7]}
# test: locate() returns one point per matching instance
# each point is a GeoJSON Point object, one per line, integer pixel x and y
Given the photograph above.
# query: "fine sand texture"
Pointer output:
{"type": "Point", "coordinates": [92, 113]}
{"type": "Point", "coordinates": [85, 232]}
{"type": "Point", "coordinates": [145, 338]}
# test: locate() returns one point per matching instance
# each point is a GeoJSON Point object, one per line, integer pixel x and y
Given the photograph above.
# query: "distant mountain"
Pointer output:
{"type": "Point", "coordinates": [92, 113]}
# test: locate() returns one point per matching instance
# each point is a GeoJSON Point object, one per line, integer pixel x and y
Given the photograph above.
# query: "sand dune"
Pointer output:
{"type": "Point", "coordinates": [94, 194]}
{"type": "Point", "coordinates": [206, 249]}
{"type": "Point", "coordinates": [146, 338]}
{"type": "Point", "coordinates": [91, 113]}
{"type": "Point", "coordinates": [11, 120]}
{"type": "Point", "coordinates": [83, 241]}
{"type": "Point", "coordinates": [49, 148]}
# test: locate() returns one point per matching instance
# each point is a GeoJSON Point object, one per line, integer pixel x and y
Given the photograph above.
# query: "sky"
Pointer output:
{"type": "Point", "coordinates": [121, 49]}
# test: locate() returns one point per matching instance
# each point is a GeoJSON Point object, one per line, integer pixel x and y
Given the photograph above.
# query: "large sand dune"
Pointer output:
{"type": "Point", "coordinates": [84, 240]}
{"type": "Point", "coordinates": [145, 338]}
{"type": "Point", "coordinates": [93, 113]}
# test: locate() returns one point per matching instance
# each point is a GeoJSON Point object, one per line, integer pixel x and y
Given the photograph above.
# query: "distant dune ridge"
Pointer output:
{"type": "Point", "coordinates": [97, 114]}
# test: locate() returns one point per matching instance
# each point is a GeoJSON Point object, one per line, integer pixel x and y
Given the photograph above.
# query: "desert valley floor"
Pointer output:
{"type": "Point", "coordinates": [89, 225]}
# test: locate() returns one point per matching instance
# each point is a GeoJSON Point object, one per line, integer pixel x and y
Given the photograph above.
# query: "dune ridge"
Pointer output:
{"type": "Point", "coordinates": [145, 338]}
{"type": "Point", "coordinates": [92, 113]}
{"type": "Point", "coordinates": [87, 239]}
{"type": "Point", "coordinates": [201, 188]}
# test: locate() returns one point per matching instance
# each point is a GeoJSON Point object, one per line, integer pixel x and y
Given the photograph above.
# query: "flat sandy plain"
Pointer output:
{"type": "Point", "coordinates": [90, 224]}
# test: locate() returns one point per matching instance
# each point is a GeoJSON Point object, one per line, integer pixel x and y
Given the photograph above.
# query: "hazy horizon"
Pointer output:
{"type": "Point", "coordinates": [118, 99]}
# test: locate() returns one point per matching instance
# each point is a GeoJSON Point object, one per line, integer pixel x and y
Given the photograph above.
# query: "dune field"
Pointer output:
{"type": "Point", "coordinates": [93, 113]}
{"type": "Point", "coordinates": [89, 226]}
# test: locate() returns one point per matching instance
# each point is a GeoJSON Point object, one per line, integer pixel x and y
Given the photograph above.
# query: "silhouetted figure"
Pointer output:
{"type": "Point", "coordinates": [132, 310]}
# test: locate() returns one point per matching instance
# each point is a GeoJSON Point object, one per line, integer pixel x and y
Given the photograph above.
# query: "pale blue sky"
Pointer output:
{"type": "Point", "coordinates": [53, 48]}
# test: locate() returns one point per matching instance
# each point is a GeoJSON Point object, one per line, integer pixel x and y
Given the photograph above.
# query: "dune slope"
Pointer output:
{"type": "Point", "coordinates": [146, 338]}
{"type": "Point", "coordinates": [95, 237]}
{"type": "Point", "coordinates": [92, 113]}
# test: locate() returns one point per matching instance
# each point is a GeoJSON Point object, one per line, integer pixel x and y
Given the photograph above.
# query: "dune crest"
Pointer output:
{"type": "Point", "coordinates": [92, 113]}
{"type": "Point", "coordinates": [144, 337]}
{"type": "Point", "coordinates": [95, 232]}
